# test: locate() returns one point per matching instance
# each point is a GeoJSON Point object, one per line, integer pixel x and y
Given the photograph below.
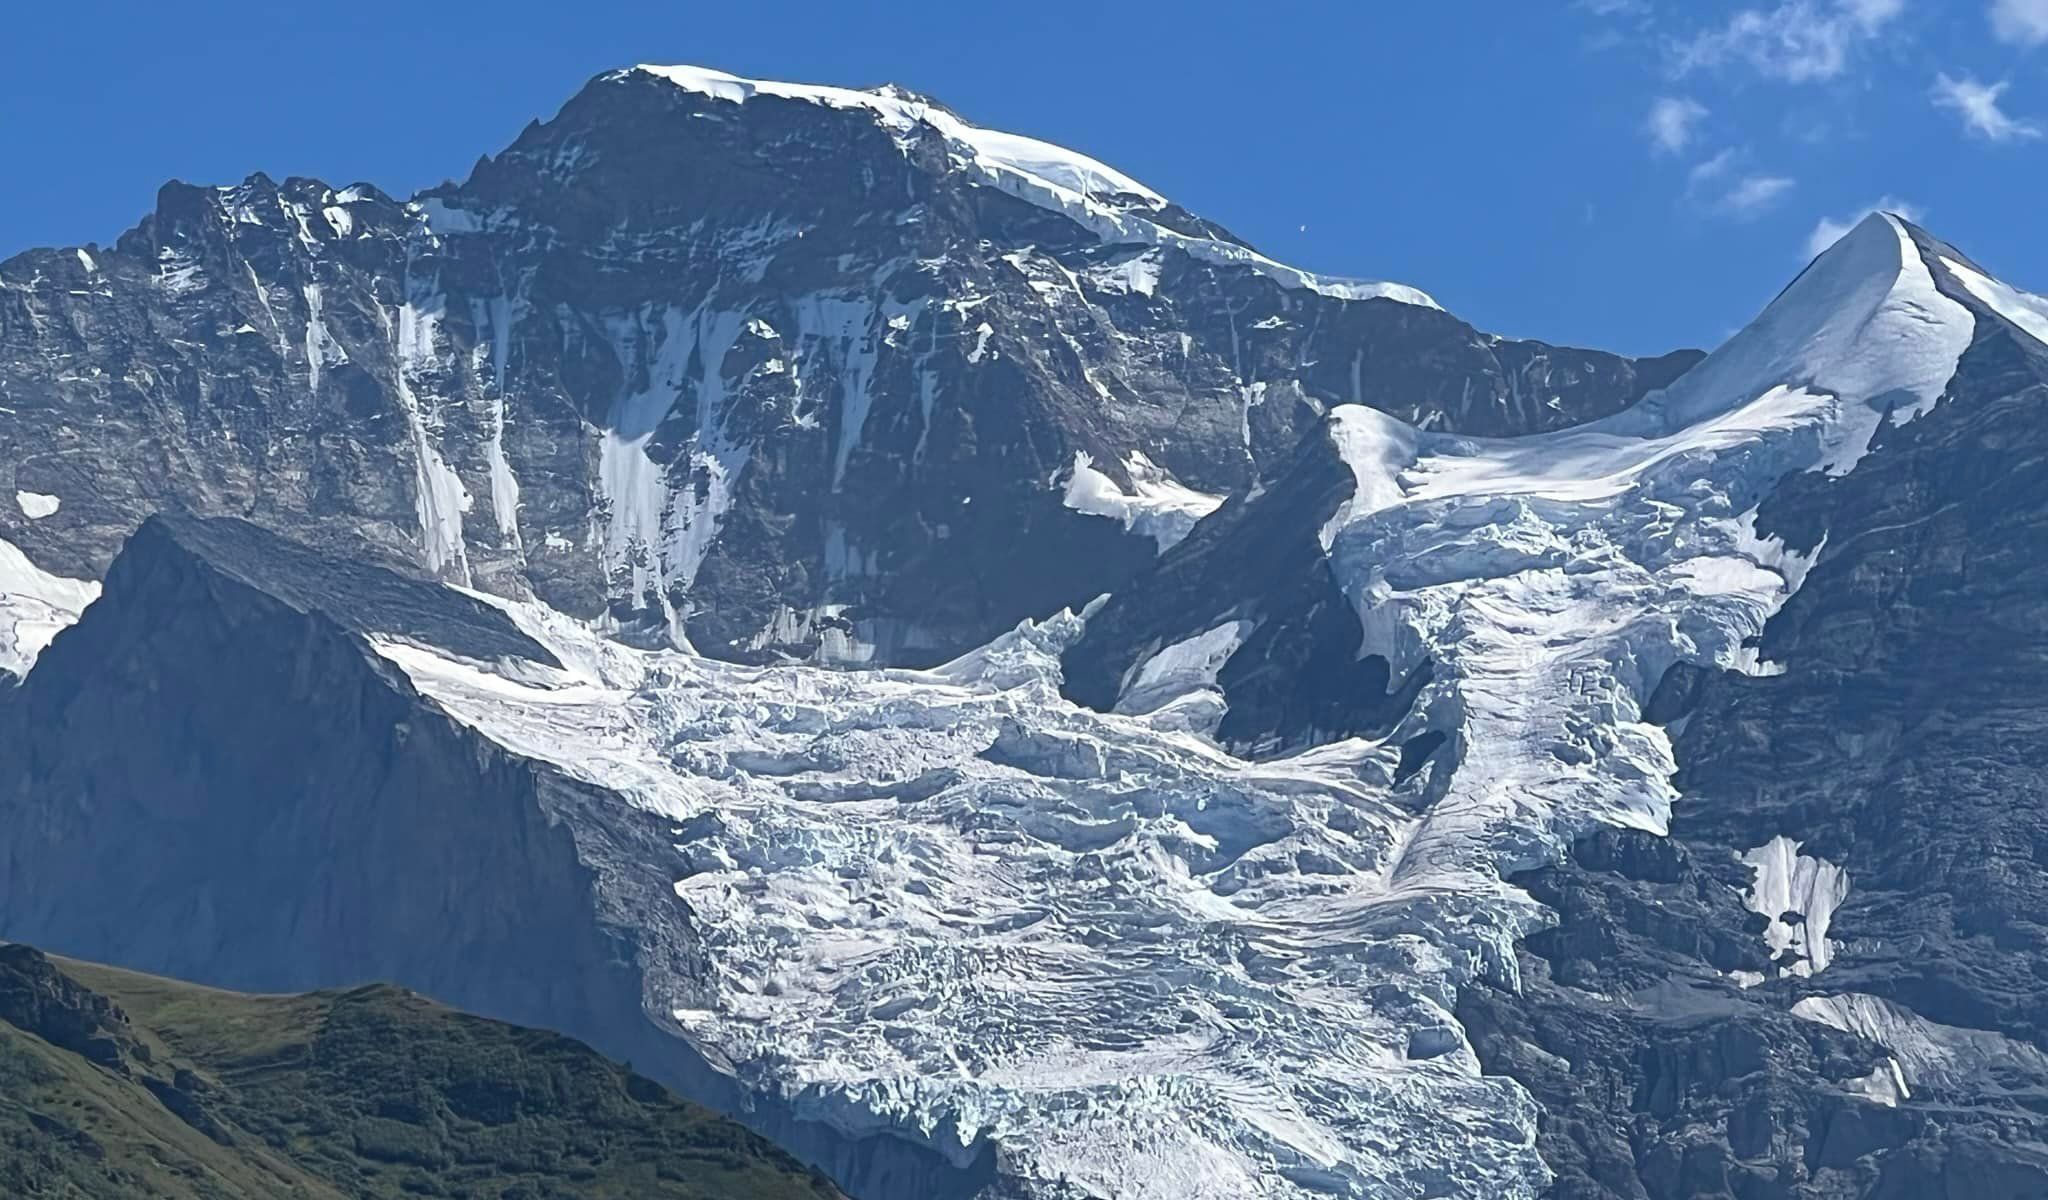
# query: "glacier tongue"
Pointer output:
{"type": "Point", "coordinates": [952, 906]}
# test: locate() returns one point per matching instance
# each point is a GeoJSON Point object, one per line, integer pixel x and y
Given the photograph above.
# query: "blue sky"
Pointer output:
{"type": "Point", "coordinates": [1632, 174]}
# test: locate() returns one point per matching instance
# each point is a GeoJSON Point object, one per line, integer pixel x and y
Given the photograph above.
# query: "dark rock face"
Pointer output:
{"type": "Point", "coordinates": [1297, 677]}
{"type": "Point", "coordinates": [1900, 745]}
{"type": "Point", "coordinates": [38, 998]}
{"type": "Point", "coordinates": [261, 802]}
{"type": "Point", "coordinates": [773, 376]}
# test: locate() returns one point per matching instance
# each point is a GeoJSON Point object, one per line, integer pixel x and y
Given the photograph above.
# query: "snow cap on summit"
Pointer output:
{"type": "Point", "coordinates": [1092, 194]}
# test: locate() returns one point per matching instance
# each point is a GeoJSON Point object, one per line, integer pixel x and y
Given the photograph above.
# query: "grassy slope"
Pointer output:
{"type": "Point", "coordinates": [202, 1094]}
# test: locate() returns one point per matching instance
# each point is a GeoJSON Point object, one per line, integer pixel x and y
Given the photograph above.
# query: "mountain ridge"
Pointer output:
{"type": "Point", "coordinates": [120, 1083]}
{"type": "Point", "coordinates": [613, 359]}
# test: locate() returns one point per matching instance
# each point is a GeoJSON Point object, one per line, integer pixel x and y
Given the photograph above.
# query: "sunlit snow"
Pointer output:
{"type": "Point", "coordinates": [1158, 505]}
{"type": "Point", "coordinates": [1094, 195]}
{"type": "Point", "coordinates": [35, 606]}
{"type": "Point", "coordinates": [951, 905]}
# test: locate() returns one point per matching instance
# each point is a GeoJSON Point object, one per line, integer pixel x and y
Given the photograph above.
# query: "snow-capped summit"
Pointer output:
{"type": "Point", "coordinates": [902, 110]}
{"type": "Point", "coordinates": [1095, 195]}
{"type": "Point", "coordinates": [1864, 324]}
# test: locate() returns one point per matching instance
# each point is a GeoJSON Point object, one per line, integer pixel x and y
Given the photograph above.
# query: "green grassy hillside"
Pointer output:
{"type": "Point", "coordinates": [115, 1084]}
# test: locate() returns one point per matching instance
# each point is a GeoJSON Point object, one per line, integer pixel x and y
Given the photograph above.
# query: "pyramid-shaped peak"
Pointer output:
{"type": "Point", "coordinates": [1865, 323]}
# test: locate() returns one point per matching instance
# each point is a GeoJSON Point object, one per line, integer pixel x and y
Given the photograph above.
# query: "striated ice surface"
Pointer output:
{"type": "Point", "coordinates": [1924, 1054]}
{"type": "Point", "coordinates": [950, 906]}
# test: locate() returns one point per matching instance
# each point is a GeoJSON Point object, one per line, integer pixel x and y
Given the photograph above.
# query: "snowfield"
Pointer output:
{"type": "Point", "coordinates": [951, 905]}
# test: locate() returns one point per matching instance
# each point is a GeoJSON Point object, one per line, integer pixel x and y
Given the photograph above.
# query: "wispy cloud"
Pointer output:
{"type": "Point", "coordinates": [1753, 195]}
{"type": "Point", "coordinates": [1717, 185]}
{"type": "Point", "coordinates": [1799, 41]}
{"type": "Point", "coordinates": [1672, 121]}
{"type": "Point", "coordinates": [1830, 230]}
{"type": "Point", "coordinates": [1977, 104]}
{"type": "Point", "coordinates": [1708, 170]}
{"type": "Point", "coordinates": [2020, 22]}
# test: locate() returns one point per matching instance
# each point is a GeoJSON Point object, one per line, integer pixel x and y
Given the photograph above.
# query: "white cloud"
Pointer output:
{"type": "Point", "coordinates": [1873, 13]}
{"type": "Point", "coordinates": [1714, 184]}
{"type": "Point", "coordinates": [1711, 169]}
{"type": "Point", "coordinates": [1977, 104]}
{"type": "Point", "coordinates": [1672, 121]}
{"type": "Point", "coordinates": [1830, 230]}
{"type": "Point", "coordinates": [2021, 22]}
{"type": "Point", "coordinates": [1799, 41]}
{"type": "Point", "coordinates": [1752, 194]}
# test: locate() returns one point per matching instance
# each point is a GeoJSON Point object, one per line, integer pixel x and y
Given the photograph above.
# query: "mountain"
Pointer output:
{"type": "Point", "coordinates": [130, 1085]}
{"type": "Point", "coordinates": [1628, 797]}
{"type": "Point", "coordinates": [1856, 838]}
{"type": "Point", "coordinates": [776, 371]}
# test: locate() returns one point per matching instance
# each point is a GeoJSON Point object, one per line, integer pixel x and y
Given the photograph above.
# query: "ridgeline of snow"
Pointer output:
{"type": "Point", "coordinates": [1094, 195]}
{"type": "Point", "coordinates": [2024, 309]}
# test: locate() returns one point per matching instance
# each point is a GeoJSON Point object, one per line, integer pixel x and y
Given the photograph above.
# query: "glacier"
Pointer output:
{"type": "Point", "coordinates": [951, 906]}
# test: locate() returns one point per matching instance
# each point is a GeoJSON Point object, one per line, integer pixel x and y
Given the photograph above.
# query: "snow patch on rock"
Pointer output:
{"type": "Point", "coordinates": [1158, 506]}
{"type": "Point", "coordinates": [1926, 1055]}
{"type": "Point", "coordinates": [35, 606]}
{"type": "Point", "coordinates": [1798, 894]}
{"type": "Point", "coordinates": [440, 500]}
{"type": "Point", "coordinates": [1185, 673]}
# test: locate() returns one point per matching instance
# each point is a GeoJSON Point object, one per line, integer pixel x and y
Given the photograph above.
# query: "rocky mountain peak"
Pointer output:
{"type": "Point", "coordinates": [776, 370]}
